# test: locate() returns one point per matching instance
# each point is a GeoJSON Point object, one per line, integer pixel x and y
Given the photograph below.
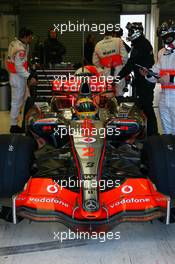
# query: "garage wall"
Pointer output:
{"type": "Point", "coordinates": [41, 14]}
{"type": "Point", "coordinates": [40, 21]}
{"type": "Point", "coordinates": [8, 25]}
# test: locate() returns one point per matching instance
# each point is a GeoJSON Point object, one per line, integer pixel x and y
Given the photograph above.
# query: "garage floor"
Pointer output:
{"type": "Point", "coordinates": [31, 242]}
{"type": "Point", "coordinates": [140, 243]}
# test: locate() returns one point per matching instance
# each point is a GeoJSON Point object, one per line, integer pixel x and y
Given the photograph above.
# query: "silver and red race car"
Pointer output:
{"type": "Point", "coordinates": [81, 163]}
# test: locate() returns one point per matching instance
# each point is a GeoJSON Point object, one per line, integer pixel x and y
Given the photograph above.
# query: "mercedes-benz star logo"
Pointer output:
{"type": "Point", "coordinates": [91, 205]}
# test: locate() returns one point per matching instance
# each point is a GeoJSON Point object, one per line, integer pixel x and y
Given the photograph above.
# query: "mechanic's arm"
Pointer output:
{"type": "Point", "coordinates": [19, 63]}
{"type": "Point", "coordinates": [136, 57]}
{"type": "Point", "coordinates": [20, 59]}
{"type": "Point", "coordinates": [95, 58]}
{"type": "Point", "coordinates": [123, 52]}
{"type": "Point", "coordinates": [128, 68]}
{"type": "Point", "coordinates": [156, 69]}
{"type": "Point", "coordinates": [164, 79]}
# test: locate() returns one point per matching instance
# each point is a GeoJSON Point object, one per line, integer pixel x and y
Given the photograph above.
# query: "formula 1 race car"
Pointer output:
{"type": "Point", "coordinates": [87, 170]}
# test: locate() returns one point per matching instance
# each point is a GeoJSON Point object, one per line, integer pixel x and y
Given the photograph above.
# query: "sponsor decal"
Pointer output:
{"type": "Point", "coordinates": [130, 201]}
{"type": "Point", "coordinates": [48, 200]}
{"type": "Point", "coordinates": [52, 189]}
{"type": "Point", "coordinates": [89, 140]}
{"type": "Point", "coordinates": [91, 205]}
{"type": "Point", "coordinates": [127, 189]}
{"type": "Point", "coordinates": [88, 152]}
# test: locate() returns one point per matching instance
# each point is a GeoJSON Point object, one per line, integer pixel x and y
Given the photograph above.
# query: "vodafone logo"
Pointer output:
{"type": "Point", "coordinates": [88, 140]}
{"type": "Point", "coordinates": [130, 201]}
{"type": "Point", "coordinates": [127, 189]}
{"type": "Point", "coordinates": [52, 189]}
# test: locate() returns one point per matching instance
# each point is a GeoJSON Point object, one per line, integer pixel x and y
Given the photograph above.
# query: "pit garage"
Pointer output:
{"type": "Point", "coordinates": [81, 179]}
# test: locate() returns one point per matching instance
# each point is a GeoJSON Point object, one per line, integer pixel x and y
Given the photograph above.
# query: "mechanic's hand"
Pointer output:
{"type": "Point", "coordinates": [32, 82]}
{"type": "Point", "coordinates": [164, 79]}
{"type": "Point", "coordinates": [143, 72]}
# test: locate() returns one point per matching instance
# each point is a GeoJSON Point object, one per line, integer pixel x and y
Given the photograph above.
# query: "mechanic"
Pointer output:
{"type": "Point", "coordinates": [118, 34]}
{"type": "Point", "coordinates": [165, 68]}
{"type": "Point", "coordinates": [38, 52]}
{"type": "Point", "coordinates": [141, 53]}
{"type": "Point", "coordinates": [110, 54]}
{"type": "Point", "coordinates": [89, 47]}
{"type": "Point", "coordinates": [53, 49]}
{"type": "Point", "coordinates": [19, 75]}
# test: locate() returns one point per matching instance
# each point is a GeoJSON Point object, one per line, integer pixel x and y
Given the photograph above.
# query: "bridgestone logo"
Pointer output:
{"type": "Point", "coordinates": [48, 200]}
{"type": "Point", "coordinates": [129, 201]}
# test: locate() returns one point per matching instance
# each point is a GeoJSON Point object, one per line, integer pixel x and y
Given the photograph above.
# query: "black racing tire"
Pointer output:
{"type": "Point", "coordinates": [158, 155]}
{"type": "Point", "coordinates": [16, 158]}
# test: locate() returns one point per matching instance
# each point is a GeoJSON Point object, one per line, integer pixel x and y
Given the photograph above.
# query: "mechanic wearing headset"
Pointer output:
{"type": "Point", "coordinates": [19, 75]}
{"type": "Point", "coordinates": [165, 68]}
{"type": "Point", "coordinates": [111, 55]}
{"type": "Point", "coordinates": [141, 53]}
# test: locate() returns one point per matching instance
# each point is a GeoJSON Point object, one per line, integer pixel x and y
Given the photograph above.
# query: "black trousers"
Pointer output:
{"type": "Point", "coordinates": [144, 91]}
